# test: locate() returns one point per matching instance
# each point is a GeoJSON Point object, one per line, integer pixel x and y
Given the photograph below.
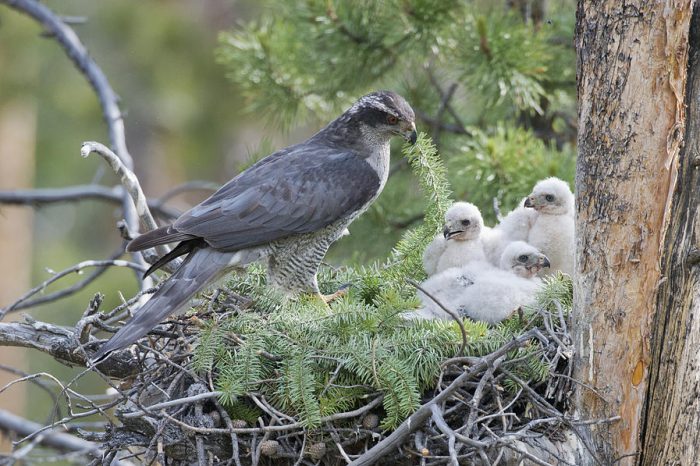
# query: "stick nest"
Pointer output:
{"type": "Point", "coordinates": [252, 379]}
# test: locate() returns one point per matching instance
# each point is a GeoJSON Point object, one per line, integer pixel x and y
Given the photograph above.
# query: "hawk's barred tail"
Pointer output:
{"type": "Point", "coordinates": [201, 267]}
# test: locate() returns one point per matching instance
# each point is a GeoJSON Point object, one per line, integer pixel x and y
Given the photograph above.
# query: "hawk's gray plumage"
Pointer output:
{"type": "Point", "coordinates": [289, 208]}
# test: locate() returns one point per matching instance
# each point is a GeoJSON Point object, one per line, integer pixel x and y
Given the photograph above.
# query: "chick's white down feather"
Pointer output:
{"type": "Point", "coordinates": [552, 232]}
{"type": "Point", "coordinates": [483, 292]}
{"type": "Point", "coordinates": [460, 242]}
{"type": "Point", "coordinates": [513, 227]}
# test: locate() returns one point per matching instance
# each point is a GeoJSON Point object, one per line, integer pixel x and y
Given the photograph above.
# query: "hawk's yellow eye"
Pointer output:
{"type": "Point", "coordinates": [391, 119]}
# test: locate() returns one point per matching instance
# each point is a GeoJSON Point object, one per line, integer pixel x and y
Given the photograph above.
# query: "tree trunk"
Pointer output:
{"type": "Point", "coordinates": [632, 68]}
{"type": "Point", "coordinates": [671, 432]}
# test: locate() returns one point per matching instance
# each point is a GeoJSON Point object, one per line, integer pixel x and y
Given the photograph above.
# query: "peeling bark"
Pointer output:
{"type": "Point", "coordinates": [632, 68]}
{"type": "Point", "coordinates": [671, 430]}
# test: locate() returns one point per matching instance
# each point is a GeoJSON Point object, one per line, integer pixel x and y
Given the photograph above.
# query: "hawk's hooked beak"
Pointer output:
{"type": "Point", "coordinates": [529, 203]}
{"type": "Point", "coordinates": [409, 133]}
{"type": "Point", "coordinates": [544, 262]}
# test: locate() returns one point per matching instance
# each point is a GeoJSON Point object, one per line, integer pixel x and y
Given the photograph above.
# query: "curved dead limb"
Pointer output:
{"type": "Point", "coordinates": [129, 181]}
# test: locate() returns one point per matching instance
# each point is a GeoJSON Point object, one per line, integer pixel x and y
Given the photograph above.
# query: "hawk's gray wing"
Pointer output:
{"type": "Point", "coordinates": [297, 190]}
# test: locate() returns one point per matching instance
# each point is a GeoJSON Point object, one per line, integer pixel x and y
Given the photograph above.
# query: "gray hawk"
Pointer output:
{"type": "Point", "coordinates": [288, 208]}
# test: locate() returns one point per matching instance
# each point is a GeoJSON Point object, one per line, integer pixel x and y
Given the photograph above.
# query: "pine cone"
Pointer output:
{"type": "Point", "coordinates": [317, 450]}
{"type": "Point", "coordinates": [239, 424]}
{"type": "Point", "coordinates": [270, 448]}
{"type": "Point", "coordinates": [371, 421]}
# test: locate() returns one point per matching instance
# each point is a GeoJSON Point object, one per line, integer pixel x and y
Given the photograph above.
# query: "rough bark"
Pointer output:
{"type": "Point", "coordinates": [671, 430]}
{"type": "Point", "coordinates": [63, 344]}
{"type": "Point", "coordinates": [632, 59]}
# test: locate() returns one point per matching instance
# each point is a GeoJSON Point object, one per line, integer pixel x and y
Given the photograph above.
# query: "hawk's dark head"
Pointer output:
{"type": "Point", "coordinates": [386, 113]}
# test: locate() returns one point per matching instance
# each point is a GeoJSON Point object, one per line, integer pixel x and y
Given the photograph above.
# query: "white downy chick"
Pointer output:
{"type": "Point", "coordinates": [513, 227]}
{"type": "Point", "coordinates": [553, 229]}
{"type": "Point", "coordinates": [460, 241]}
{"type": "Point", "coordinates": [483, 292]}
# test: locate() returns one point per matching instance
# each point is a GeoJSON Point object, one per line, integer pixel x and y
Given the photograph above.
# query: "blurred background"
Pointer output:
{"type": "Point", "coordinates": [208, 87]}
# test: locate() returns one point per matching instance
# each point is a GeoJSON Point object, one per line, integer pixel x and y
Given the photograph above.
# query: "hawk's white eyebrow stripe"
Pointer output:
{"type": "Point", "coordinates": [374, 102]}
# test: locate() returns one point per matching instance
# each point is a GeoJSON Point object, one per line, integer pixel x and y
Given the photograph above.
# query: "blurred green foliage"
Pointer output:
{"type": "Point", "coordinates": [511, 79]}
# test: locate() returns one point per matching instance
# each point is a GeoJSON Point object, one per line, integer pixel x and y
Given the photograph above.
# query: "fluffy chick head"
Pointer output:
{"type": "Point", "coordinates": [463, 222]}
{"type": "Point", "coordinates": [551, 196]}
{"type": "Point", "coordinates": [523, 259]}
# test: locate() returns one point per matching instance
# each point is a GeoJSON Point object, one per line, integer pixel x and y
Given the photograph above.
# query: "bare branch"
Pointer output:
{"type": "Point", "coordinates": [127, 177]}
{"type": "Point", "coordinates": [74, 269]}
{"type": "Point", "coordinates": [168, 404]}
{"type": "Point", "coordinates": [132, 186]}
{"type": "Point", "coordinates": [57, 440]}
{"type": "Point", "coordinates": [62, 343]}
{"type": "Point", "coordinates": [41, 197]}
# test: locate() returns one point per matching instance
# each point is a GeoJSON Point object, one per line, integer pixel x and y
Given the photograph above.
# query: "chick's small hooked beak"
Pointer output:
{"type": "Point", "coordinates": [529, 203]}
{"type": "Point", "coordinates": [448, 234]}
{"type": "Point", "coordinates": [409, 133]}
{"type": "Point", "coordinates": [544, 262]}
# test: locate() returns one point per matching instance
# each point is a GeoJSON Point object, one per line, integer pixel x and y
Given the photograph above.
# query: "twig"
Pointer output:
{"type": "Point", "coordinates": [278, 428]}
{"type": "Point", "coordinates": [478, 393]}
{"type": "Point", "coordinates": [436, 414]}
{"type": "Point", "coordinates": [74, 269]}
{"type": "Point", "coordinates": [56, 295]}
{"type": "Point", "coordinates": [452, 314]}
{"type": "Point", "coordinates": [444, 126]}
{"type": "Point", "coordinates": [444, 103]}
{"type": "Point", "coordinates": [168, 404]}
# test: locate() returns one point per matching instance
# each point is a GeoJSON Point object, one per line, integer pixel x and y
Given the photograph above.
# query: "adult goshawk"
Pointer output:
{"type": "Point", "coordinates": [288, 208]}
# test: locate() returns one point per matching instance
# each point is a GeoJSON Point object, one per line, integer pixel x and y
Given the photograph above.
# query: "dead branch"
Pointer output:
{"type": "Point", "coordinates": [62, 344]}
{"type": "Point", "coordinates": [130, 183]}
{"type": "Point", "coordinates": [52, 439]}
{"type": "Point", "coordinates": [114, 194]}
{"type": "Point", "coordinates": [71, 270]}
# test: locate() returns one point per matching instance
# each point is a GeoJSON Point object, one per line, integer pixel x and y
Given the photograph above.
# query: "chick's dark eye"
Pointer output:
{"type": "Point", "coordinates": [549, 198]}
{"type": "Point", "coordinates": [466, 223]}
{"type": "Point", "coordinates": [522, 258]}
{"type": "Point", "coordinates": [391, 119]}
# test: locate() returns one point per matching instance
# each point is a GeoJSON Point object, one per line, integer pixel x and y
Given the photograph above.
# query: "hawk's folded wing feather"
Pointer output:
{"type": "Point", "coordinates": [297, 190]}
